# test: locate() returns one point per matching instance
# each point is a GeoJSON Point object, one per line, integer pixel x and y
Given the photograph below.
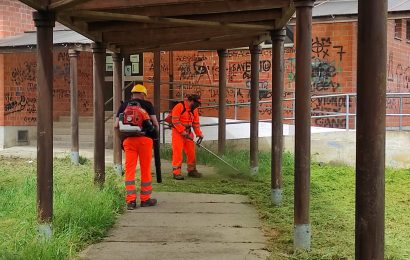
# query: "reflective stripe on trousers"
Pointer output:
{"type": "Point", "coordinates": [138, 148]}
{"type": "Point", "coordinates": [179, 144]}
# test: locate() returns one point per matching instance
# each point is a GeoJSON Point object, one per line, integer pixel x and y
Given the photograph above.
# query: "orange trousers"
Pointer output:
{"type": "Point", "coordinates": [179, 144]}
{"type": "Point", "coordinates": [138, 147]}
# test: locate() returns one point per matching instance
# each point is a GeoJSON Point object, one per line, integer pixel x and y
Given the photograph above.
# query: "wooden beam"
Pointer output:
{"type": "Point", "coordinates": [193, 8]}
{"type": "Point", "coordinates": [205, 44]}
{"type": "Point", "coordinates": [120, 26]}
{"type": "Point", "coordinates": [286, 15]}
{"type": "Point", "coordinates": [161, 20]}
{"type": "Point", "coordinates": [235, 17]}
{"type": "Point", "coordinates": [36, 4]}
{"type": "Point", "coordinates": [120, 4]}
{"type": "Point", "coordinates": [169, 33]}
{"type": "Point", "coordinates": [64, 4]}
{"type": "Point", "coordinates": [183, 40]}
{"type": "Point", "coordinates": [261, 38]}
{"type": "Point", "coordinates": [256, 17]}
{"type": "Point", "coordinates": [79, 27]}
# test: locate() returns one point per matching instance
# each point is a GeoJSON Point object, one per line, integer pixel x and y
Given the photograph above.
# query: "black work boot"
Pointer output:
{"type": "Point", "coordinates": [178, 177]}
{"type": "Point", "coordinates": [149, 203]}
{"type": "Point", "coordinates": [132, 205]}
{"type": "Point", "coordinates": [194, 174]}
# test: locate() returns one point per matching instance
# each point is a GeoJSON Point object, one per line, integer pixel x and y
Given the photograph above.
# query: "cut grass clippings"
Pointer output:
{"type": "Point", "coordinates": [332, 205]}
{"type": "Point", "coordinates": [82, 212]}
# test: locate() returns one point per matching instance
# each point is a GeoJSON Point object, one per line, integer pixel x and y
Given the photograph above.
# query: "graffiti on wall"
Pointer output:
{"type": "Point", "coordinates": [323, 76]}
{"type": "Point", "coordinates": [321, 48]}
{"type": "Point", "coordinates": [328, 105]}
{"type": "Point", "coordinates": [24, 72]}
{"type": "Point", "coordinates": [327, 65]}
{"type": "Point", "coordinates": [240, 71]}
{"type": "Point", "coordinates": [398, 75]}
{"type": "Point", "coordinates": [21, 88]}
{"type": "Point", "coordinates": [14, 104]}
{"type": "Point", "coordinates": [193, 68]}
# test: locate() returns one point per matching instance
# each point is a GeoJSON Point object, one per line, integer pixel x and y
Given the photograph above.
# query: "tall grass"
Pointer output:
{"type": "Point", "coordinates": [82, 211]}
{"type": "Point", "coordinates": [332, 206]}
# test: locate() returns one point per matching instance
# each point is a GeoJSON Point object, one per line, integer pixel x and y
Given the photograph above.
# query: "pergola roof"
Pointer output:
{"type": "Point", "coordinates": [147, 25]}
{"type": "Point", "coordinates": [349, 7]}
{"type": "Point", "coordinates": [28, 40]}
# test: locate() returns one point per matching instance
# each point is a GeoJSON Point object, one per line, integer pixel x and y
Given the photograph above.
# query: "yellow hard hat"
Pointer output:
{"type": "Point", "coordinates": [139, 89]}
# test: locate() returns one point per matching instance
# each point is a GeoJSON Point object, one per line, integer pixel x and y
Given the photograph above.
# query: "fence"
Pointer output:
{"type": "Point", "coordinates": [327, 110]}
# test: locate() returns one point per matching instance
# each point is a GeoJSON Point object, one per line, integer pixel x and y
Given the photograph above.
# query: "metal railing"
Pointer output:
{"type": "Point", "coordinates": [328, 110]}
{"type": "Point", "coordinates": [334, 110]}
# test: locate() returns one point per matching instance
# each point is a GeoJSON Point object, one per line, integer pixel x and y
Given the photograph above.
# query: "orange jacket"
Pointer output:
{"type": "Point", "coordinates": [184, 121]}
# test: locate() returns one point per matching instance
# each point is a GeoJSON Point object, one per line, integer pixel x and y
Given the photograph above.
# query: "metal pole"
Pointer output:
{"type": "Point", "coordinates": [44, 22]}
{"type": "Point", "coordinates": [222, 102]}
{"type": "Point", "coordinates": [99, 113]}
{"type": "Point", "coordinates": [236, 104]}
{"type": "Point", "coordinates": [117, 96]}
{"type": "Point", "coordinates": [254, 49]}
{"type": "Point", "coordinates": [347, 111]}
{"type": "Point", "coordinates": [157, 86]}
{"type": "Point", "coordinates": [371, 129]}
{"type": "Point", "coordinates": [401, 114]}
{"type": "Point", "coordinates": [75, 156]}
{"type": "Point", "coordinates": [278, 39]}
{"type": "Point", "coordinates": [302, 235]}
{"type": "Point", "coordinates": [171, 80]}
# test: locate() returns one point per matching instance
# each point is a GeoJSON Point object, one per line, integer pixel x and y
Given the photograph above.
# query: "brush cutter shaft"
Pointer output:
{"type": "Point", "coordinates": [209, 151]}
{"type": "Point", "coordinates": [214, 154]}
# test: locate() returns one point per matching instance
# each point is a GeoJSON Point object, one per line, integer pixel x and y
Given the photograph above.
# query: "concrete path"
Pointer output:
{"type": "Point", "coordinates": [185, 226]}
{"type": "Point", "coordinates": [181, 226]}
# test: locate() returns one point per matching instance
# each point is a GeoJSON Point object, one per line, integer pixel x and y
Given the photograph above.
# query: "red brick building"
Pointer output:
{"type": "Point", "coordinates": [333, 70]}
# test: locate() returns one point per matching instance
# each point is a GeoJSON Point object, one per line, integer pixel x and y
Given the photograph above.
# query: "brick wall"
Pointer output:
{"type": "Point", "coordinates": [333, 71]}
{"type": "Point", "coordinates": [1, 89]}
{"type": "Point", "coordinates": [20, 88]}
{"type": "Point", "coordinates": [398, 73]}
{"type": "Point", "coordinates": [15, 18]}
{"type": "Point", "coordinates": [332, 59]}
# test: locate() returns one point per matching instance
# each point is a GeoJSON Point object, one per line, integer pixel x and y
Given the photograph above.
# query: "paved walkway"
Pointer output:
{"type": "Point", "coordinates": [185, 226]}
{"type": "Point", "coordinates": [181, 226]}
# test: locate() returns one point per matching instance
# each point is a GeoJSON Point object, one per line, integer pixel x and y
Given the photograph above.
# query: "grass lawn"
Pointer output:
{"type": "Point", "coordinates": [82, 212]}
{"type": "Point", "coordinates": [332, 205]}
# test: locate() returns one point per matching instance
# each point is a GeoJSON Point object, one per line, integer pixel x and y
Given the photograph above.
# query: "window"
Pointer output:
{"type": "Point", "coordinates": [408, 30]}
{"type": "Point", "coordinates": [397, 28]}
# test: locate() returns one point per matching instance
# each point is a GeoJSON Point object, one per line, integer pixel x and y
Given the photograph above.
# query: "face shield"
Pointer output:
{"type": "Point", "coordinates": [195, 104]}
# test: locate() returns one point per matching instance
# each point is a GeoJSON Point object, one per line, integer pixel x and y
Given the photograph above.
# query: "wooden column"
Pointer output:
{"type": "Point", "coordinates": [371, 129]}
{"type": "Point", "coordinates": [222, 102]}
{"type": "Point", "coordinates": [254, 93]}
{"type": "Point", "coordinates": [302, 234]}
{"type": "Point", "coordinates": [44, 22]}
{"type": "Point", "coordinates": [75, 156]}
{"type": "Point", "coordinates": [99, 113]}
{"type": "Point", "coordinates": [278, 39]}
{"type": "Point", "coordinates": [117, 96]}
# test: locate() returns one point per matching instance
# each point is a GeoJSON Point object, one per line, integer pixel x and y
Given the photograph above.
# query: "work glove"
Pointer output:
{"type": "Point", "coordinates": [199, 140]}
{"type": "Point", "coordinates": [185, 135]}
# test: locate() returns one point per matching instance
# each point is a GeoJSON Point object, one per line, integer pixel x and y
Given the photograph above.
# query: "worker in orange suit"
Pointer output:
{"type": "Point", "coordinates": [136, 147]}
{"type": "Point", "coordinates": [185, 118]}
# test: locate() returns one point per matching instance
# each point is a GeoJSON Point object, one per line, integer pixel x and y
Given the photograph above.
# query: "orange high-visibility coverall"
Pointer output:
{"type": "Point", "coordinates": [135, 147]}
{"type": "Point", "coordinates": [184, 121]}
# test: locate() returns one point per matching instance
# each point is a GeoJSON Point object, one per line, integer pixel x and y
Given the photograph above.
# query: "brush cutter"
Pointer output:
{"type": "Point", "coordinates": [198, 143]}
{"type": "Point", "coordinates": [214, 154]}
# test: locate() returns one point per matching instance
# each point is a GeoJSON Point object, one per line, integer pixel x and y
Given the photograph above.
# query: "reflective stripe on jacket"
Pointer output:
{"type": "Point", "coordinates": [184, 120]}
